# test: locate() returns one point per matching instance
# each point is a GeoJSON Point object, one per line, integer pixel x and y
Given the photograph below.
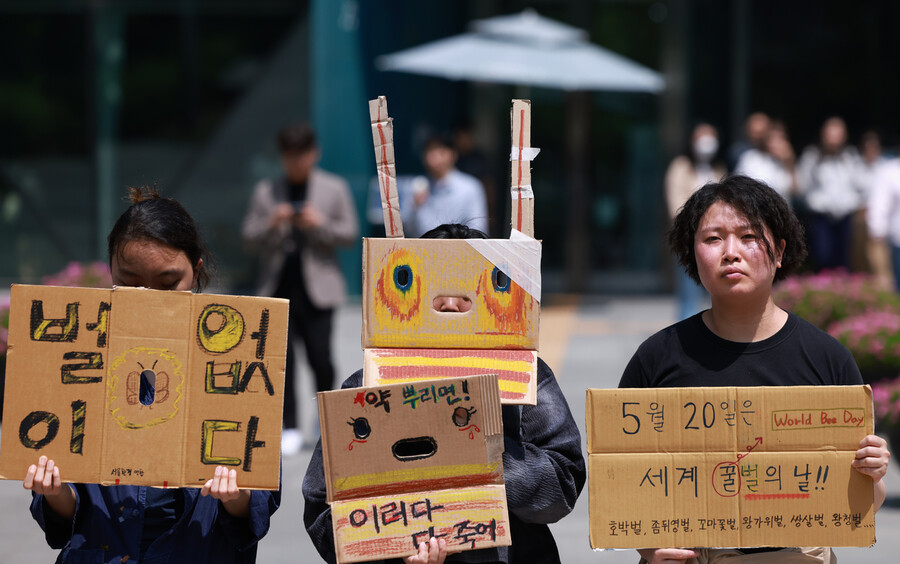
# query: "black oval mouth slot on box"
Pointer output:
{"type": "Point", "coordinates": [414, 448]}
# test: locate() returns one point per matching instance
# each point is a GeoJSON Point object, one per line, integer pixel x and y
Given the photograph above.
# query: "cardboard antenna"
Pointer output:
{"type": "Point", "coordinates": [520, 158]}
{"type": "Point", "coordinates": [383, 138]}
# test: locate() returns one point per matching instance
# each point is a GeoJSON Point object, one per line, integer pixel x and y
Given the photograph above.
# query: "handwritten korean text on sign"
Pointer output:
{"type": "Point", "coordinates": [145, 387]}
{"type": "Point", "coordinates": [729, 467]}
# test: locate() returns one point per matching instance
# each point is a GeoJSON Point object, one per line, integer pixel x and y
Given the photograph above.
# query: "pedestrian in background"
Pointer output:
{"type": "Point", "coordinates": [883, 219]}
{"type": "Point", "coordinates": [687, 173]}
{"type": "Point", "coordinates": [295, 223]}
{"type": "Point", "coordinates": [773, 164]}
{"type": "Point", "coordinates": [828, 178]}
{"type": "Point", "coordinates": [870, 255]}
{"type": "Point", "coordinates": [449, 196]}
{"type": "Point", "coordinates": [756, 127]}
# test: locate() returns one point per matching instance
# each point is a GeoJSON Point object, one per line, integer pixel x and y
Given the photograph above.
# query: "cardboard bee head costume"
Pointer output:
{"type": "Point", "coordinates": [417, 452]}
{"type": "Point", "coordinates": [404, 337]}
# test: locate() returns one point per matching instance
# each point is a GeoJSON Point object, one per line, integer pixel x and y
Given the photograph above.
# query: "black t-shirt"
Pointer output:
{"type": "Point", "coordinates": [688, 354]}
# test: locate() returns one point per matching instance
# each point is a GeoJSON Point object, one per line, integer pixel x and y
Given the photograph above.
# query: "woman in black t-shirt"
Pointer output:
{"type": "Point", "coordinates": [737, 238]}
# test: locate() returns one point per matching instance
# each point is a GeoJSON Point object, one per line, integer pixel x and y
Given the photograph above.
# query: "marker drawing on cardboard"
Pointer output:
{"type": "Point", "coordinates": [407, 462]}
{"type": "Point", "coordinates": [404, 337]}
{"type": "Point", "coordinates": [735, 467]}
{"type": "Point", "coordinates": [144, 387]}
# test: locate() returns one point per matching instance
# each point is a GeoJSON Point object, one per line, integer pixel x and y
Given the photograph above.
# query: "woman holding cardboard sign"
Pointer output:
{"type": "Point", "coordinates": [737, 238]}
{"type": "Point", "coordinates": [154, 244]}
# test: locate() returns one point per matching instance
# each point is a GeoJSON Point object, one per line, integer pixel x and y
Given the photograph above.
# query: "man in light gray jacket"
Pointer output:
{"type": "Point", "coordinates": [295, 223]}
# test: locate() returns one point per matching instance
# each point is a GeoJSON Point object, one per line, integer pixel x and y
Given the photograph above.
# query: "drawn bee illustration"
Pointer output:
{"type": "Point", "coordinates": [147, 387]}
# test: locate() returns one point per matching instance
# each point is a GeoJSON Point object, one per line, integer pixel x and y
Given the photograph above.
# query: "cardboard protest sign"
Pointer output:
{"type": "Point", "coordinates": [406, 462]}
{"type": "Point", "coordinates": [728, 467]}
{"type": "Point", "coordinates": [405, 338]}
{"type": "Point", "coordinates": [144, 387]}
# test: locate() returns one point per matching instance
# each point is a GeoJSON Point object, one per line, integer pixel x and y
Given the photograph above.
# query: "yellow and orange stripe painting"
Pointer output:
{"type": "Point", "coordinates": [416, 479]}
{"type": "Point", "coordinates": [516, 370]}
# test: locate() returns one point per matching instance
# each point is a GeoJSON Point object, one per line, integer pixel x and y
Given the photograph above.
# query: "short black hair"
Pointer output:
{"type": "Point", "coordinates": [296, 138]}
{"type": "Point", "coordinates": [439, 140]}
{"type": "Point", "coordinates": [767, 212]}
{"type": "Point", "coordinates": [454, 231]}
{"type": "Point", "coordinates": [152, 217]}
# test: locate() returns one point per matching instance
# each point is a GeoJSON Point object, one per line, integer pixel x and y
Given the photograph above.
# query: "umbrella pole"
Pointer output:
{"type": "Point", "coordinates": [578, 112]}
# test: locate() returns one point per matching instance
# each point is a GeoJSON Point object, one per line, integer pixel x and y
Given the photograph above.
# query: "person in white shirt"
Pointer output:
{"type": "Point", "coordinates": [774, 163]}
{"type": "Point", "coordinates": [450, 196]}
{"type": "Point", "coordinates": [883, 217]}
{"type": "Point", "coordinates": [828, 177]}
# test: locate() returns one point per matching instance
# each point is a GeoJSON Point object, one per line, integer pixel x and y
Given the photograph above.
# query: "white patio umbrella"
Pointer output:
{"type": "Point", "coordinates": [525, 49]}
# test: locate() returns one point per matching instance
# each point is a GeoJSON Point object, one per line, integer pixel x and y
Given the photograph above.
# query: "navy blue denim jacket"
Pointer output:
{"type": "Point", "coordinates": [543, 466]}
{"type": "Point", "coordinates": [109, 519]}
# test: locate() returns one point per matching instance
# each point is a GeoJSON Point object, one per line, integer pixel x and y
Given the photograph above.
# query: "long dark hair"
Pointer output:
{"type": "Point", "coordinates": [154, 218]}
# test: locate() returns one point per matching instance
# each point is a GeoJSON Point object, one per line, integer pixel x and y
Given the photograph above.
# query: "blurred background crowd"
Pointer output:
{"type": "Point", "coordinates": [635, 104]}
{"type": "Point", "coordinates": [188, 94]}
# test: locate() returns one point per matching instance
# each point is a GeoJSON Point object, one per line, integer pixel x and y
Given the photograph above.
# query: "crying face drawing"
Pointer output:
{"type": "Point", "coordinates": [492, 327]}
{"type": "Point", "coordinates": [426, 435]}
{"type": "Point", "coordinates": [406, 278]}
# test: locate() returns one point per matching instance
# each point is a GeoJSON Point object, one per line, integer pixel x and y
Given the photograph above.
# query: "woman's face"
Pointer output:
{"type": "Point", "coordinates": [152, 264]}
{"type": "Point", "coordinates": [731, 257]}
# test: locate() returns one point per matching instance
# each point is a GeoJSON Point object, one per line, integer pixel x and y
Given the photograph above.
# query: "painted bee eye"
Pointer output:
{"type": "Point", "coordinates": [499, 280]}
{"type": "Point", "coordinates": [361, 428]}
{"type": "Point", "coordinates": [462, 415]}
{"type": "Point", "coordinates": [403, 277]}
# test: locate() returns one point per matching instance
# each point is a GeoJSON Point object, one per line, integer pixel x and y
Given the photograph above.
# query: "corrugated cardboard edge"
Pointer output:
{"type": "Point", "coordinates": [366, 295]}
{"type": "Point", "coordinates": [493, 421]}
{"type": "Point", "coordinates": [326, 455]}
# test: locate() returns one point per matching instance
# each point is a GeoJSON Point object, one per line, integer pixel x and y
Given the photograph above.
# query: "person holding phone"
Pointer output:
{"type": "Point", "coordinates": [295, 223]}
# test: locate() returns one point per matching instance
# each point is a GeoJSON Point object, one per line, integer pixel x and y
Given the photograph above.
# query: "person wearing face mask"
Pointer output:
{"type": "Point", "coordinates": [686, 173]}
